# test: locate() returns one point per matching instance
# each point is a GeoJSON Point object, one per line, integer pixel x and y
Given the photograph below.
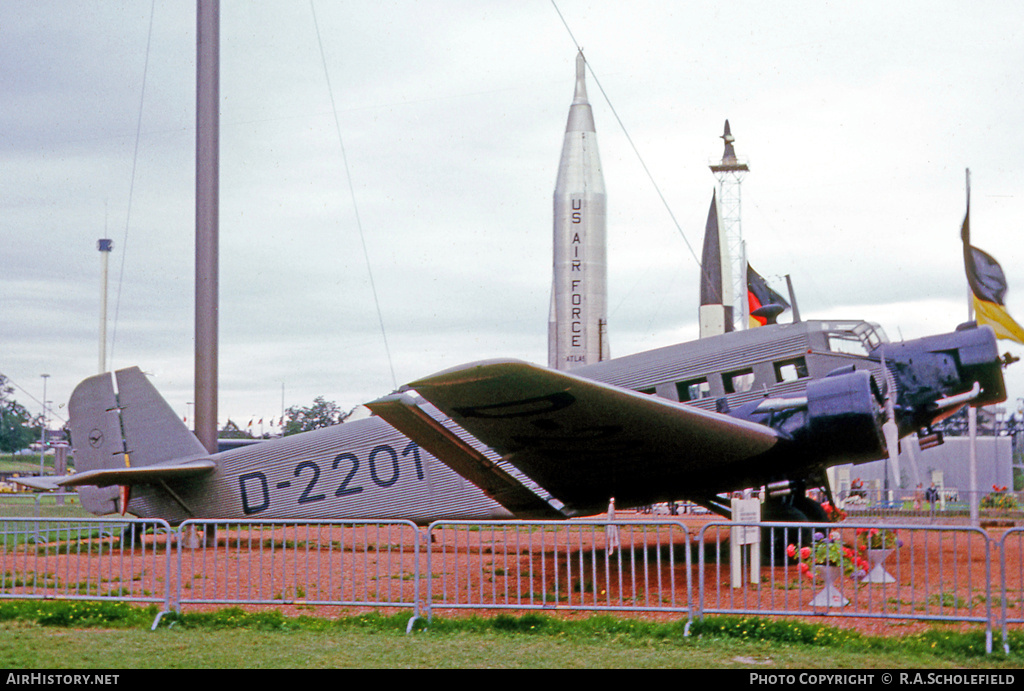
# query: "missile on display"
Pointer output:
{"type": "Point", "coordinates": [578, 323]}
{"type": "Point", "coordinates": [716, 302]}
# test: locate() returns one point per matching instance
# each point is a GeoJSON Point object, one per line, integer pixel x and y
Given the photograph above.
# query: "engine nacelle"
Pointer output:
{"type": "Point", "coordinates": [932, 368]}
{"type": "Point", "coordinates": [844, 418]}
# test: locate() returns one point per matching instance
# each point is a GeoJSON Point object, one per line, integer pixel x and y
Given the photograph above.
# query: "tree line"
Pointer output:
{"type": "Point", "coordinates": [18, 428]}
{"type": "Point", "coordinates": [322, 413]}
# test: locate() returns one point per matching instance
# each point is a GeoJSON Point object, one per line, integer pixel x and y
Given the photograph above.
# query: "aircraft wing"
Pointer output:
{"type": "Point", "coordinates": [584, 441]}
{"type": "Point", "coordinates": [122, 476]}
{"type": "Point", "coordinates": [405, 414]}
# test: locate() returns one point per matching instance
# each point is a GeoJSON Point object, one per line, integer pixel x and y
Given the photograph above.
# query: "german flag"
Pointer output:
{"type": "Point", "coordinates": [760, 294]}
{"type": "Point", "coordinates": [988, 288]}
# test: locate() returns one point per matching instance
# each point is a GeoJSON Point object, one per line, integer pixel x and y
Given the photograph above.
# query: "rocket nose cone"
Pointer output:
{"type": "Point", "coordinates": [581, 119]}
{"type": "Point", "coordinates": [580, 95]}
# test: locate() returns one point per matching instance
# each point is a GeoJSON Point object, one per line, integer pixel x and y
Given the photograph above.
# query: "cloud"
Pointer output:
{"type": "Point", "coordinates": [857, 121]}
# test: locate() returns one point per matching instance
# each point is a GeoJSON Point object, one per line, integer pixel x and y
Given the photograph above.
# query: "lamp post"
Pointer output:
{"type": "Point", "coordinates": [105, 246]}
{"type": "Point", "coordinates": [42, 435]}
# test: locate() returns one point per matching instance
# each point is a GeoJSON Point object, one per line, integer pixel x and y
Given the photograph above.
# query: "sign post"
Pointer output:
{"type": "Point", "coordinates": [740, 539]}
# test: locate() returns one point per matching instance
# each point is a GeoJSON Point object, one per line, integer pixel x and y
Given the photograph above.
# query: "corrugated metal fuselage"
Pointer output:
{"type": "Point", "coordinates": [358, 470]}
{"type": "Point", "coordinates": [744, 366]}
{"type": "Point", "coordinates": [366, 469]}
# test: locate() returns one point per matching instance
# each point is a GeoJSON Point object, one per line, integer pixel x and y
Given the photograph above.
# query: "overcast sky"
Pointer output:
{"type": "Point", "coordinates": [858, 121]}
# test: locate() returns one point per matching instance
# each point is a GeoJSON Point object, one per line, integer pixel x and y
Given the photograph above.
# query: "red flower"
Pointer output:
{"type": "Point", "coordinates": [791, 551]}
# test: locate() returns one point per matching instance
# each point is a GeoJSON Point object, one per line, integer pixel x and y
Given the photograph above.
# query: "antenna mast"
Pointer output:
{"type": "Point", "coordinates": [730, 174]}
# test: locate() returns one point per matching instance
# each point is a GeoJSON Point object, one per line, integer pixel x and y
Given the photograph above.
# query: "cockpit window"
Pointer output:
{"type": "Point", "coordinates": [855, 338]}
{"type": "Point", "coordinates": [848, 343]}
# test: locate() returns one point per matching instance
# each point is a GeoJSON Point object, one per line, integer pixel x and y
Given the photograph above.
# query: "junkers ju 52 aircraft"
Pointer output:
{"type": "Point", "coordinates": [772, 406]}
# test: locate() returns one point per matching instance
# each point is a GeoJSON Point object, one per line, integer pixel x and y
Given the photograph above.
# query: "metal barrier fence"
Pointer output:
{"type": "Point", "coordinates": [926, 573]}
{"type": "Point", "coordinates": [947, 506]}
{"type": "Point", "coordinates": [559, 565]}
{"type": "Point", "coordinates": [342, 563]}
{"type": "Point", "coordinates": [936, 573]}
{"type": "Point", "coordinates": [92, 559]}
{"type": "Point", "coordinates": [41, 505]}
{"type": "Point", "coordinates": [1011, 585]}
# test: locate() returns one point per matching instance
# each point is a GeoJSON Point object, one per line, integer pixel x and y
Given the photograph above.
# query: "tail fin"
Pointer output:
{"type": "Point", "coordinates": [153, 432]}
{"type": "Point", "coordinates": [127, 428]}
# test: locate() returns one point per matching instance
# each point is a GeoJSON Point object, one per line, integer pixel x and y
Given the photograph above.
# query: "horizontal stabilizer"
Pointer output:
{"type": "Point", "coordinates": [403, 413]}
{"type": "Point", "coordinates": [44, 482]}
{"type": "Point", "coordinates": [105, 477]}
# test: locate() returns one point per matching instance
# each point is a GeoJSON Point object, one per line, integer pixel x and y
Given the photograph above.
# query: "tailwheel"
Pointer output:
{"type": "Point", "coordinates": [132, 535]}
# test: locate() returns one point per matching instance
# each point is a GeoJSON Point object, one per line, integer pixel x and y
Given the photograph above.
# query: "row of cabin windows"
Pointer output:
{"type": "Point", "coordinates": [738, 381]}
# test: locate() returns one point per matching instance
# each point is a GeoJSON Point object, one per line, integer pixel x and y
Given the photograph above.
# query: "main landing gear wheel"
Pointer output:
{"type": "Point", "coordinates": [811, 509]}
{"type": "Point", "coordinates": [775, 540]}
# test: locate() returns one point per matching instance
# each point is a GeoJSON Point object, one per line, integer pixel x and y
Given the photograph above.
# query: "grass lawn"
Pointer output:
{"type": "Point", "coordinates": [62, 635]}
{"type": "Point", "coordinates": [26, 505]}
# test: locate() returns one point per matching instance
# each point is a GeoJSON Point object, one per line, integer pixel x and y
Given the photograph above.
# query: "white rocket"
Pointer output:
{"type": "Point", "coordinates": [578, 323]}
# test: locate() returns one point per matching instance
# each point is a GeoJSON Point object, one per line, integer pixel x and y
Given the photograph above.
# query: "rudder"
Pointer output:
{"type": "Point", "coordinates": [96, 438]}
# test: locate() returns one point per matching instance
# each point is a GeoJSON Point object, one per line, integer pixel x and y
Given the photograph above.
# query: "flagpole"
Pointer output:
{"type": "Point", "coordinates": [972, 412]}
{"type": "Point", "coordinates": [970, 293]}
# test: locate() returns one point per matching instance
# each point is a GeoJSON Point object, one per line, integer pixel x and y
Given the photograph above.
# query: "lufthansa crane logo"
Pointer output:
{"type": "Point", "coordinates": [95, 438]}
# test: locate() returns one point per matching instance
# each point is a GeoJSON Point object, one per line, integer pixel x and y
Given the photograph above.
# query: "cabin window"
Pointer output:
{"type": "Point", "coordinates": [790, 370]}
{"type": "Point", "coordinates": [738, 381]}
{"type": "Point", "coordinates": [693, 390]}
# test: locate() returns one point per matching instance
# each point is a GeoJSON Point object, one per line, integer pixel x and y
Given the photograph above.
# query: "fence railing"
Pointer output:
{"type": "Point", "coordinates": [1011, 583]}
{"type": "Point", "coordinates": [946, 505]}
{"type": "Point", "coordinates": [341, 563]}
{"type": "Point", "coordinates": [41, 504]}
{"type": "Point", "coordinates": [917, 572]}
{"type": "Point", "coordinates": [549, 565]}
{"type": "Point", "coordinates": [935, 573]}
{"type": "Point", "coordinates": [87, 559]}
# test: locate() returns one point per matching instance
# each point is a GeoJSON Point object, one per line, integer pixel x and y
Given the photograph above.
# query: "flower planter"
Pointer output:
{"type": "Point", "coordinates": [830, 596]}
{"type": "Point", "coordinates": [877, 573]}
